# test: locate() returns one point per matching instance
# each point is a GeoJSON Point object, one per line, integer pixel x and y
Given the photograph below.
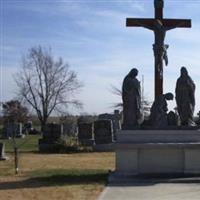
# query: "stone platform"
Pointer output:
{"type": "Point", "coordinates": [156, 152]}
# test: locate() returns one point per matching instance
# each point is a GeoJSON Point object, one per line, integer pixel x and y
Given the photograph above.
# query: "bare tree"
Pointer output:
{"type": "Point", "coordinates": [13, 112]}
{"type": "Point", "coordinates": [46, 84]}
{"type": "Point", "coordinates": [116, 91]}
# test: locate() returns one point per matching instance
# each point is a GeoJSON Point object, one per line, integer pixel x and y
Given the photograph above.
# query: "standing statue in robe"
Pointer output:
{"type": "Point", "coordinates": [131, 96]}
{"type": "Point", "coordinates": [185, 98]}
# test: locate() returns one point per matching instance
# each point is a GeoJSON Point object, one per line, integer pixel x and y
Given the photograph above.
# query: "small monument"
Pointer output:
{"type": "Point", "coordinates": [13, 130]}
{"type": "Point", "coordinates": [52, 133]}
{"type": "Point", "coordinates": [158, 149]}
{"type": "Point", "coordinates": [115, 118]}
{"type": "Point", "coordinates": [103, 132]}
{"type": "Point", "coordinates": [116, 122]}
{"type": "Point", "coordinates": [85, 133]}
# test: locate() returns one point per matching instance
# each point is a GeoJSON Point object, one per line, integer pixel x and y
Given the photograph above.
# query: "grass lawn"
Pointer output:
{"type": "Point", "coordinates": [27, 144]}
{"type": "Point", "coordinates": [54, 176]}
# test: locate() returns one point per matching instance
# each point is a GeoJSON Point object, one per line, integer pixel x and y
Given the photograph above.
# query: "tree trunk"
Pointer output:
{"type": "Point", "coordinates": [43, 124]}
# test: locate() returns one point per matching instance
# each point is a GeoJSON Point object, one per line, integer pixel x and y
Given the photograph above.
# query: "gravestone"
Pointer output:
{"type": "Point", "coordinates": [116, 122]}
{"type": "Point", "coordinates": [28, 128]}
{"type": "Point", "coordinates": [19, 130]}
{"type": "Point", "coordinates": [52, 133]}
{"type": "Point", "coordinates": [69, 129]}
{"type": "Point", "coordinates": [14, 130]}
{"type": "Point", "coordinates": [115, 118]}
{"type": "Point", "coordinates": [103, 132]}
{"type": "Point", "coordinates": [85, 133]}
{"type": "Point", "coordinates": [2, 152]}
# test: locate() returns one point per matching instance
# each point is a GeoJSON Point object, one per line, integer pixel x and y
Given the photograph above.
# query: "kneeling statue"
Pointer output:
{"type": "Point", "coordinates": [158, 116]}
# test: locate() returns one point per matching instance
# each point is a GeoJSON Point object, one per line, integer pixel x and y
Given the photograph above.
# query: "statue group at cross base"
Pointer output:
{"type": "Point", "coordinates": [159, 117]}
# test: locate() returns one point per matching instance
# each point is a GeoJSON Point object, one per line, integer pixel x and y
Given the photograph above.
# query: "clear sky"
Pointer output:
{"type": "Point", "coordinates": [92, 37]}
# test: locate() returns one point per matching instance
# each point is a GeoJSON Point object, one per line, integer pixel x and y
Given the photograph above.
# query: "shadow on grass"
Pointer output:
{"type": "Point", "coordinates": [57, 178]}
{"type": "Point", "coordinates": [153, 179]}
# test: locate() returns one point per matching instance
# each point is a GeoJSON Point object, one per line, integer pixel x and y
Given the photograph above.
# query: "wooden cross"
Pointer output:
{"type": "Point", "coordinates": [160, 26]}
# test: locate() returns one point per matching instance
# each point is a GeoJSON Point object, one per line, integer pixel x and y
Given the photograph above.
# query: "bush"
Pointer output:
{"type": "Point", "coordinates": [69, 146]}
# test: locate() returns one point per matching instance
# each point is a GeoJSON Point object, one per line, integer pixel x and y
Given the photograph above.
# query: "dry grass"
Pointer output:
{"type": "Point", "coordinates": [55, 176]}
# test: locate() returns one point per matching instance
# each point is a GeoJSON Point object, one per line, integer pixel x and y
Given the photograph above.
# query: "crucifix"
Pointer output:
{"type": "Point", "coordinates": [159, 26]}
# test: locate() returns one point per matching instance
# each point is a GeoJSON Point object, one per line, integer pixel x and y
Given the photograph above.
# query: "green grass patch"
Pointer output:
{"type": "Point", "coordinates": [27, 144]}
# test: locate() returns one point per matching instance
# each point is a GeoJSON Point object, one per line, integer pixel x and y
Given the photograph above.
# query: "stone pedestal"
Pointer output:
{"type": "Point", "coordinates": [157, 152]}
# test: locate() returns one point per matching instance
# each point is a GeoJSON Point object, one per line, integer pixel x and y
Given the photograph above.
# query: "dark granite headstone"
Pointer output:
{"type": "Point", "coordinates": [116, 120]}
{"type": "Point", "coordinates": [103, 132]}
{"type": "Point", "coordinates": [85, 133]}
{"type": "Point", "coordinates": [13, 130]}
{"type": "Point", "coordinates": [52, 133]}
{"type": "Point", "coordinates": [70, 129]}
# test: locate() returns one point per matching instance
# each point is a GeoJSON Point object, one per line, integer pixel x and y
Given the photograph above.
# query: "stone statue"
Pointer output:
{"type": "Point", "coordinates": [172, 118]}
{"type": "Point", "coordinates": [158, 116]}
{"type": "Point", "coordinates": [131, 96]}
{"type": "Point", "coordinates": [185, 98]}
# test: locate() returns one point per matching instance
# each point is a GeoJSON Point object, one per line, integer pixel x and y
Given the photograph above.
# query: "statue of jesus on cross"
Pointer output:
{"type": "Point", "coordinates": [159, 26]}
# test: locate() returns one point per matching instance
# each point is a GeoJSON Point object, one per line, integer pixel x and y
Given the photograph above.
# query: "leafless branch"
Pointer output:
{"type": "Point", "coordinates": [46, 84]}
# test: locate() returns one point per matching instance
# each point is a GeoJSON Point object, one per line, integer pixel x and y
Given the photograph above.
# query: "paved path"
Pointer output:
{"type": "Point", "coordinates": [153, 191]}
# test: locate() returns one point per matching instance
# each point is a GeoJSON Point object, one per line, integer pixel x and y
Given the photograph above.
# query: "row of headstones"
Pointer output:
{"type": "Point", "coordinates": [18, 130]}
{"type": "Point", "coordinates": [97, 132]}
{"type": "Point", "coordinates": [53, 133]}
